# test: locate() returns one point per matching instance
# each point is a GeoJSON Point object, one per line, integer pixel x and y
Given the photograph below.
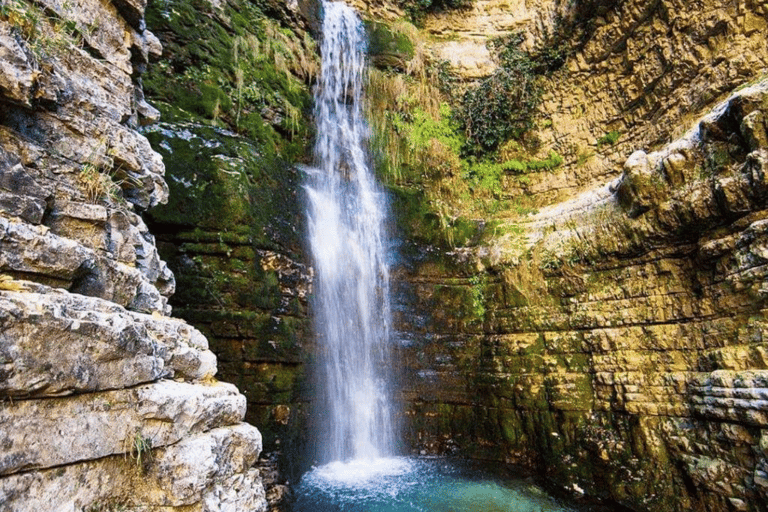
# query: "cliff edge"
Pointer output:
{"type": "Point", "coordinates": [107, 402]}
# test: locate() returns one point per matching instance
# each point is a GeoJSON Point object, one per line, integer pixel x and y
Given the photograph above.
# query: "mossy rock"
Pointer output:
{"type": "Point", "coordinates": [388, 49]}
{"type": "Point", "coordinates": [237, 76]}
{"type": "Point", "coordinates": [224, 183]}
{"type": "Point", "coordinates": [417, 221]}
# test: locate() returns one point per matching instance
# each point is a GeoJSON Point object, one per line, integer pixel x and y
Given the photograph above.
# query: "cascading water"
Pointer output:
{"type": "Point", "coordinates": [352, 316]}
{"type": "Point", "coordinates": [347, 239]}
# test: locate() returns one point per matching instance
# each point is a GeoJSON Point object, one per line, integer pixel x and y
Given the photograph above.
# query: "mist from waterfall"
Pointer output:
{"type": "Point", "coordinates": [346, 216]}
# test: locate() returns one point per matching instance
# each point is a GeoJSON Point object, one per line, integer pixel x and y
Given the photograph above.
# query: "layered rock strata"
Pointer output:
{"type": "Point", "coordinates": [232, 229]}
{"type": "Point", "coordinates": [615, 342]}
{"type": "Point", "coordinates": [642, 71]}
{"type": "Point", "coordinates": [108, 403]}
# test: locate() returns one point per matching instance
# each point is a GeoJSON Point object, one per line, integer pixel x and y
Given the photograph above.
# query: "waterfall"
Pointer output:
{"type": "Point", "coordinates": [346, 216]}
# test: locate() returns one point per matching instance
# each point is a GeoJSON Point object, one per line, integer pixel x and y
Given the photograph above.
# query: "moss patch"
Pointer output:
{"type": "Point", "coordinates": [247, 74]}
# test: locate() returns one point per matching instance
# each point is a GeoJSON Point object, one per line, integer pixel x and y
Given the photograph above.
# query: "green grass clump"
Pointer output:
{"type": "Point", "coordinates": [609, 139]}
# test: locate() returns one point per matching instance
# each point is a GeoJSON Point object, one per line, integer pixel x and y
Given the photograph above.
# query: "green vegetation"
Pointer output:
{"type": "Point", "coordinates": [140, 449]}
{"type": "Point", "coordinates": [248, 75]}
{"type": "Point", "coordinates": [389, 47]}
{"type": "Point", "coordinates": [451, 157]}
{"type": "Point", "coordinates": [418, 9]}
{"type": "Point", "coordinates": [609, 139]}
{"type": "Point", "coordinates": [503, 105]}
{"type": "Point", "coordinates": [477, 294]}
{"type": "Point", "coordinates": [43, 32]}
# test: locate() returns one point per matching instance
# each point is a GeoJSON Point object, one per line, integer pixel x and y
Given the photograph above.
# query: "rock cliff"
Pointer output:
{"type": "Point", "coordinates": [235, 120]}
{"type": "Point", "coordinates": [107, 402]}
{"type": "Point", "coordinates": [612, 335]}
{"type": "Point", "coordinates": [616, 341]}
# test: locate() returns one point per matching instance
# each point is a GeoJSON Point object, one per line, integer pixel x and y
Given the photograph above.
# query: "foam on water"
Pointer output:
{"type": "Point", "coordinates": [415, 485]}
{"type": "Point", "coordinates": [361, 472]}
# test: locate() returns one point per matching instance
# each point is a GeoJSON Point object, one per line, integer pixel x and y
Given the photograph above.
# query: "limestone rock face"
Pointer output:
{"type": "Point", "coordinates": [619, 344]}
{"type": "Point", "coordinates": [108, 403]}
{"type": "Point", "coordinates": [643, 70]}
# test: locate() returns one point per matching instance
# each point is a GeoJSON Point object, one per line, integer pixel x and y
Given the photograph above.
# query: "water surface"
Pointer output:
{"type": "Point", "coordinates": [401, 484]}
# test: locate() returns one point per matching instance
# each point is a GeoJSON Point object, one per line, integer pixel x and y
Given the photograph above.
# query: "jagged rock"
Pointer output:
{"type": "Point", "coordinates": [17, 73]}
{"type": "Point", "coordinates": [101, 29]}
{"type": "Point", "coordinates": [187, 469]}
{"type": "Point", "coordinates": [33, 250]}
{"type": "Point", "coordinates": [207, 472]}
{"type": "Point", "coordinates": [45, 433]}
{"type": "Point", "coordinates": [108, 347]}
{"type": "Point", "coordinates": [641, 187]}
{"type": "Point", "coordinates": [90, 419]}
{"type": "Point", "coordinates": [132, 11]}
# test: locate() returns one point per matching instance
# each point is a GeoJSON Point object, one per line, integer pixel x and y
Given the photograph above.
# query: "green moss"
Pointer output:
{"type": "Point", "coordinates": [477, 296]}
{"type": "Point", "coordinates": [236, 76]}
{"type": "Point", "coordinates": [222, 182]}
{"type": "Point", "coordinates": [417, 220]}
{"type": "Point", "coordinates": [388, 48]}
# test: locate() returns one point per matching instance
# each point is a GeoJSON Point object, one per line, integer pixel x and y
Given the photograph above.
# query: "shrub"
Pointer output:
{"type": "Point", "coordinates": [418, 9]}
{"type": "Point", "coordinates": [503, 105]}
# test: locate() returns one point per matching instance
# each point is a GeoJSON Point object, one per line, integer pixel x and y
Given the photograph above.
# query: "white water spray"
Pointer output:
{"type": "Point", "coordinates": [346, 235]}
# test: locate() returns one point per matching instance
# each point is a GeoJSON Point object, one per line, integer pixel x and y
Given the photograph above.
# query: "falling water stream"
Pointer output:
{"type": "Point", "coordinates": [346, 218]}
{"type": "Point", "coordinates": [346, 233]}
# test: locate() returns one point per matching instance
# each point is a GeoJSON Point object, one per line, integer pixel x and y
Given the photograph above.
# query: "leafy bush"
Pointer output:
{"type": "Point", "coordinates": [418, 9]}
{"type": "Point", "coordinates": [503, 105]}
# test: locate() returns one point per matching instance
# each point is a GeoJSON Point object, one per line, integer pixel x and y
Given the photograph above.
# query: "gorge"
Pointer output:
{"type": "Point", "coordinates": [578, 290]}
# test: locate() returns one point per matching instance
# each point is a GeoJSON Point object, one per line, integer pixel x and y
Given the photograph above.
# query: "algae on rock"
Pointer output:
{"type": "Point", "coordinates": [236, 108]}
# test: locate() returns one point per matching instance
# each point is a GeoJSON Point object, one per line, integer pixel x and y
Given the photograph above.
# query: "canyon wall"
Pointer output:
{"type": "Point", "coordinates": [609, 337]}
{"type": "Point", "coordinates": [614, 339]}
{"type": "Point", "coordinates": [108, 403]}
{"type": "Point", "coordinates": [236, 116]}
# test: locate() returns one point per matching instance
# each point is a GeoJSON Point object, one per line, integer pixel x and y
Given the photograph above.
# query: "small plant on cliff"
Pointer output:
{"type": "Point", "coordinates": [418, 9]}
{"type": "Point", "coordinates": [477, 295]}
{"type": "Point", "coordinates": [45, 34]}
{"type": "Point", "coordinates": [98, 186]}
{"type": "Point", "coordinates": [503, 105]}
{"type": "Point", "coordinates": [140, 449]}
{"type": "Point", "coordinates": [609, 139]}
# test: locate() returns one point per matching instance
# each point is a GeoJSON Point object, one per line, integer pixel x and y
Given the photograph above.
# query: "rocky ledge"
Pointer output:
{"type": "Point", "coordinates": [107, 402]}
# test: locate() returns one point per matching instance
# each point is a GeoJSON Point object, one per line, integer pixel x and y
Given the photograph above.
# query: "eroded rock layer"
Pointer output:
{"type": "Point", "coordinates": [616, 341]}
{"type": "Point", "coordinates": [108, 403]}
